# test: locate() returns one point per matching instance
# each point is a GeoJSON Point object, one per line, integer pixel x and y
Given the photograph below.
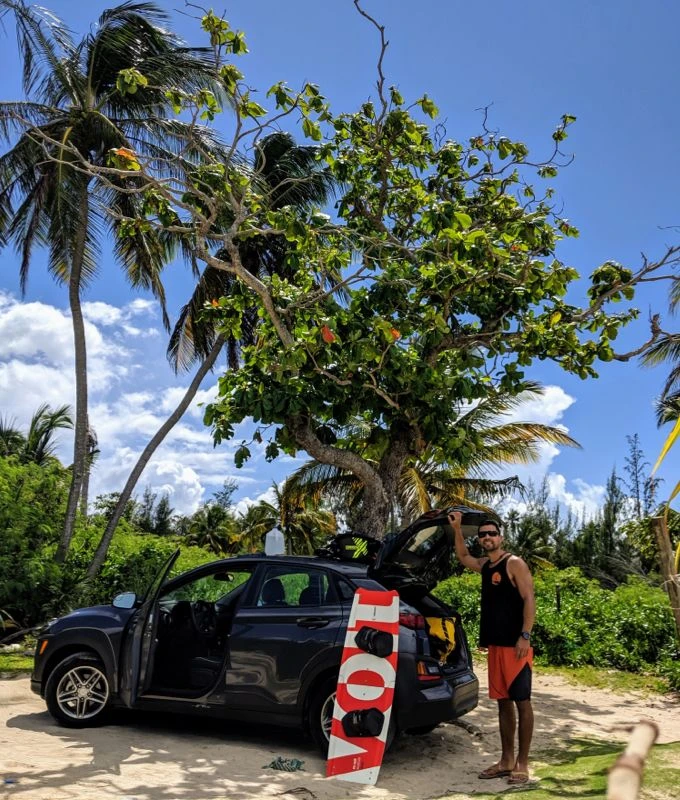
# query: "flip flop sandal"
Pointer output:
{"type": "Point", "coordinates": [517, 778]}
{"type": "Point", "coordinates": [494, 772]}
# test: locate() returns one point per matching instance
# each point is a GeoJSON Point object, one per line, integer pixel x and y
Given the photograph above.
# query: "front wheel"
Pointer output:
{"type": "Point", "coordinates": [321, 717]}
{"type": "Point", "coordinates": [77, 692]}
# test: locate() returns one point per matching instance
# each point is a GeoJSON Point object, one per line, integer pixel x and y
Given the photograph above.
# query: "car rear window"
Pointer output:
{"type": "Point", "coordinates": [367, 583]}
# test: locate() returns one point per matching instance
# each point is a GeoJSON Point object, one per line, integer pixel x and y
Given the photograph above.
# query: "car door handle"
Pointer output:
{"type": "Point", "coordinates": [312, 622]}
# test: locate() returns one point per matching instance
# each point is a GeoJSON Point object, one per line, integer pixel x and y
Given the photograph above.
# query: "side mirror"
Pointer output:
{"type": "Point", "coordinates": [125, 600]}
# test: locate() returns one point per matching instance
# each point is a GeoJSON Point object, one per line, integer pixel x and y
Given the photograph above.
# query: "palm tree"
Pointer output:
{"type": "Point", "coordinates": [91, 456]}
{"type": "Point", "coordinates": [254, 524]}
{"type": "Point", "coordinates": [214, 528]}
{"type": "Point", "coordinates": [528, 536]}
{"type": "Point", "coordinates": [77, 112]}
{"type": "Point", "coordinates": [40, 444]}
{"type": "Point", "coordinates": [285, 174]}
{"type": "Point", "coordinates": [37, 446]}
{"type": "Point", "coordinates": [12, 440]}
{"type": "Point", "coordinates": [425, 483]}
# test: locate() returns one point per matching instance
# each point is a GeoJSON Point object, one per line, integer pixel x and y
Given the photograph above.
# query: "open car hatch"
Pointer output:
{"type": "Point", "coordinates": [423, 552]}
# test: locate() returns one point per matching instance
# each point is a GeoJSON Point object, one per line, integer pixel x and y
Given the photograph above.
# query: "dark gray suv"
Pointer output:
{"type": "Point", "coordinates": [259, 638]}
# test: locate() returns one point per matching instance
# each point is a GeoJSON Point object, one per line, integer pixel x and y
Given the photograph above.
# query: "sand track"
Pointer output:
{"type": "Point", "coordinates": [171, 758]}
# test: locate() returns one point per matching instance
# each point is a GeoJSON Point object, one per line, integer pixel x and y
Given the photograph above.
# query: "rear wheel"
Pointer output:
{"type": "Point", "coordinates": [321, 717]}
{"type": "Point", "coordinates": [77, 692]}
{"type": "Point", "coordinates": [422, 730]}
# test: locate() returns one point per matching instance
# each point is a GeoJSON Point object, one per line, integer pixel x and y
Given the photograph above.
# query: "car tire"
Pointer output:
{"type": "Point", "coordinates": [422, 730]}
{"type": "Point", "coordinates": [321, 714]}
{"type": "Point", "coordinates": [77, 691]}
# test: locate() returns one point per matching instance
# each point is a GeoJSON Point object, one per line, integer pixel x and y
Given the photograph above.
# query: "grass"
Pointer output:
{"type": "Point", "coordinates": [14, 663]}
{"type": "Point", "coordinates": [579, 771]}
{"type": "Point", "coordinates": [613, 679]}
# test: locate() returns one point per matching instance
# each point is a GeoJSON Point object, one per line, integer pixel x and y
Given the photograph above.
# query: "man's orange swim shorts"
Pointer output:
{"type": "Point", "coordinates": [509, 676]}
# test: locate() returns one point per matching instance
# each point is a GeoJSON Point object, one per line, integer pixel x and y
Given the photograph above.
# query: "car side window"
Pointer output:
{"type": "Point", "coordinates": [285, 587]}
{"type": "Point", "coordinates": [345, 590]}
{"type": "Point", "coordinates": [214, 588]}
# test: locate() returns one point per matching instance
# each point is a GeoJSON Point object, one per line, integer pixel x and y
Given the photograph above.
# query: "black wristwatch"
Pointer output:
{"type": "Point", "coordinates": [525, 635]}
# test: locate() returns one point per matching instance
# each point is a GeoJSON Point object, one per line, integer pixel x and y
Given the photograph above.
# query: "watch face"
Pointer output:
{"type": "Point", "coordinates": [526, 635]}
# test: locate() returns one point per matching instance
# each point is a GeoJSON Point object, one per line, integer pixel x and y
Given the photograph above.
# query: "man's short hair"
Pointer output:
{"type": "Point", "coordinates": [490, 521]}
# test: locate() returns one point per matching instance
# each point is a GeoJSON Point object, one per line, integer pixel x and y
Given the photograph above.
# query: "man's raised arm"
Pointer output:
{"type": "Point", "coordinates": [462, 552]}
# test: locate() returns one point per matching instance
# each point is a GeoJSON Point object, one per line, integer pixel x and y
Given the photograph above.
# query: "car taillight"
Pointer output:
{"type": "Point", "coordinates": [427, 671]}
{"type": "Point", "coordinates": [414, 621]}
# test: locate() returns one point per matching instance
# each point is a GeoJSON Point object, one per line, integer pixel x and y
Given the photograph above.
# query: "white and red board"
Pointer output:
{"type": "Point", "coordinates": [366, 681]}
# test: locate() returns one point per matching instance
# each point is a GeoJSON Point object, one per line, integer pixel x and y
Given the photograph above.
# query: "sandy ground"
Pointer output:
{"type": "Point", "coordinates": [170, 758]}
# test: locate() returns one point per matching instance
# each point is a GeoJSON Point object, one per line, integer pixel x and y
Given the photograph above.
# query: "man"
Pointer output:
{"type": "Point", "coordinates": [508, 612]}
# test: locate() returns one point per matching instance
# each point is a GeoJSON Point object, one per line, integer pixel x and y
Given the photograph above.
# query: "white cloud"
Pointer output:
{"type": "Point", "coordinates": [24, 387]}
{"type": "Point", "coordinates": [102, 313]}
{"type": "Point", "coordinates": [131, 395]}
{"type": "Point", "coordinates": [547, 409]}
{"type": "Point", "coordinates": [247, 502]}
{"type": "Point", "coordinates": [583, 501]}
{"type": "Point", "coordinates": [105, 314]}
{"type": "Point", "coordinates": [40, 334]}
{"type": "Point", "coordinates": [171, 398]}
{"type": "Point", "coordinates": [139, 306]}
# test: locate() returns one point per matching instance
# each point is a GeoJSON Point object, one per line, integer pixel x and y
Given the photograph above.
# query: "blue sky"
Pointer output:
{"type": "Point", "coordinates": [608, 63]}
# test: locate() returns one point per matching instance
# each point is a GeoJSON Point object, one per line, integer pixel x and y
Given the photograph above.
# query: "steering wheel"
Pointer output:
{"type": "Point", "coordinates": [164, 618]}
{"type": "Point", "coordinates": [204, 617]}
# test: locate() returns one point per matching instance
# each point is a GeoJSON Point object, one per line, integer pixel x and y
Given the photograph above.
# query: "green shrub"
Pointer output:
{"type": "Point", "coordinates": [463, 593]}
{"type": "Point", "coordinates": [133, 561]}
{"type": "Point", "coordinates": [669, 668]}
{"type": "Point", "coordinates": [32, 503]}
{"type": "Point", "coordinates": [579, 623]}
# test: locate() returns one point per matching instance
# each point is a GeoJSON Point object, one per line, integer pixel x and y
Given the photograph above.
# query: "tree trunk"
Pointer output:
{"type": "Point", "coordinates": [670, 578]}
{"type": "Point", "coordinates": [375, 511]}
{"type": "Point", "coordinates": [89, 457]}
{"type": "Point", "coordinates": [391, 469]}
{"type": "Point", "coordinates": [80, 428]}
{"type": "Point", "coordinates": [149, 450]}
{"type": "Point", "coordinates": [85, 490]}
{"type": "Point", "coordinates": [374, 517]}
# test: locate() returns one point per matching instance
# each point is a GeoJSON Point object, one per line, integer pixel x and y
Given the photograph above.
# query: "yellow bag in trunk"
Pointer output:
{"type": "Point", "coordinates": [442, 631]}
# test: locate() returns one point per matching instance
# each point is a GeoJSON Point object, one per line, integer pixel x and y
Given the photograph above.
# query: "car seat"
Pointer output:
{"type": "Point", "coordinates": [310, 596]}
{"type": "Point", "coordinates": [273, 593]}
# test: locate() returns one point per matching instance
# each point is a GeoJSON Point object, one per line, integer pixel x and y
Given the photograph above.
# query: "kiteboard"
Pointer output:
{"type": "Point", "coordinates": [363, 702]}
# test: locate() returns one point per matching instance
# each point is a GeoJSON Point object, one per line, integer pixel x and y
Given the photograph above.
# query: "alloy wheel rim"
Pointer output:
{"type": "Point", "coordinates": [327, 716]}
{"type": "Point", "coordinates": [82, 692]}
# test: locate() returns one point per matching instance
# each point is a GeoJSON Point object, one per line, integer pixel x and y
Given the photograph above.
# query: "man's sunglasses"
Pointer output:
{"type": "Point", "coordinates": [483, 534]}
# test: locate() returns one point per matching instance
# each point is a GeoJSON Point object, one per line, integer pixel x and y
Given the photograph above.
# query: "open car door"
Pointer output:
{"type": "Point", "coordinates": [137, 651]}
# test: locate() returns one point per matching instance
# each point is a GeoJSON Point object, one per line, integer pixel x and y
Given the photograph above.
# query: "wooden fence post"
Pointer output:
{"type": "Point", "coordinates": [671, 580]}
{"type": "Point", "coordinates": [626, 774]}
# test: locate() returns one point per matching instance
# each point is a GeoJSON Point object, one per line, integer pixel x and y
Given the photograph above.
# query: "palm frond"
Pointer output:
{"type": "Point", "coordinates": [12, 440]}
{"type": "Point", "coordinates": [665, 349]}
{"type": "Point", "coordinates": [192, 338]}
{"type": "Point", "coordinates": [291, 174]}
{"type": "Point", "coordinates": [40, 444]}
{"type": "Point", "coordinates": [674, 295]}
{"type": "Point", "coordinates": [42, 39]}
{"type": "Point", "coordinates": [529, 432]}
{"type": "Point", "coordinates": [667, 409]}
